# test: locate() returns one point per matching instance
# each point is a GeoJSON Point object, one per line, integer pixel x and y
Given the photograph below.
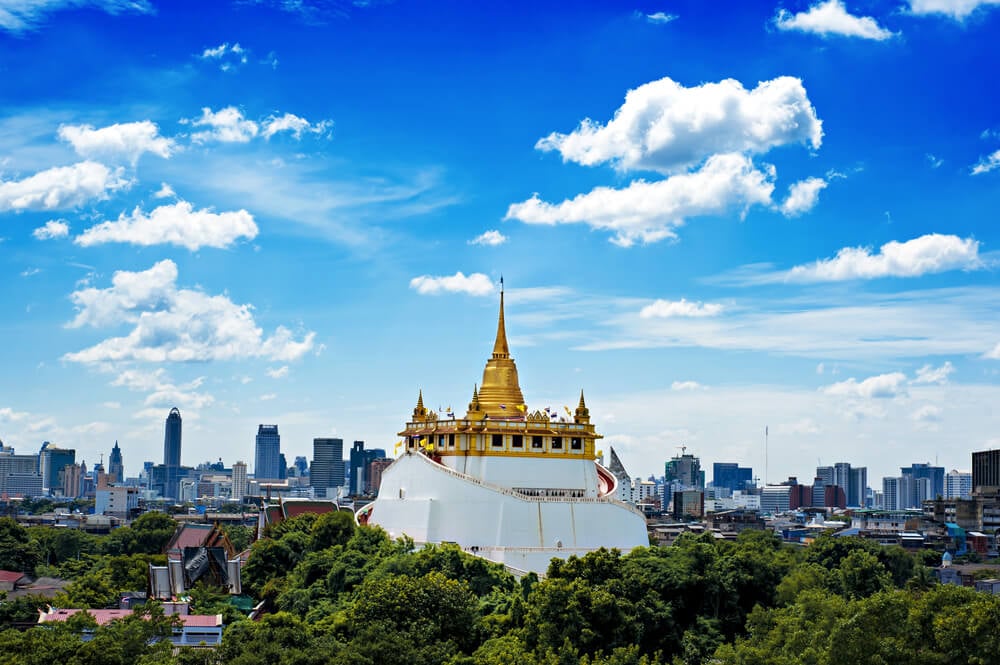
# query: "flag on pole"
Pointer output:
{"type": "Point", "coordinates": [568, 412]}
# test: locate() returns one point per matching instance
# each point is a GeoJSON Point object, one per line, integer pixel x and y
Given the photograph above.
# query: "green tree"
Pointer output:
{"type": "Point", "coordinates": [333, 528]}
{"type": "Point", "coordinates": [861, 575]}
{"type": "Point", "coordinates": [17, 551]}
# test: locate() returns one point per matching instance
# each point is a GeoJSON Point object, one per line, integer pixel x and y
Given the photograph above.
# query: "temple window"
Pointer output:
{"type": "Point", "coordinates": [517, 441]}
{"type": "Point", "coordinates": [576, 443]}
{"type": "Point", "coordinates": [498, 440]}
{"type": "Point", "coordinates": [557, 443]}
{"type": "Point", "coordinates": [536, 442]}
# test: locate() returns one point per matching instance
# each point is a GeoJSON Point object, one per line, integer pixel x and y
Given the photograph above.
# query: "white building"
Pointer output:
{"type": "Point", "coordinates": [117, 501]}
{"type": "Point", "coordinates": [958, 484]}
{"type": "Point", "coordinates": [514, 486]}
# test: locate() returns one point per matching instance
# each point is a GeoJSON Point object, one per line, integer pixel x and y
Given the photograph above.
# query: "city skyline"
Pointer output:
{"type": "Point", "coordinates": [299, 213]}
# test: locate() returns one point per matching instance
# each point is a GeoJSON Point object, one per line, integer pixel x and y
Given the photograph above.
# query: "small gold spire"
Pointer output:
{"type": "Point", "coordinates": [583, 404]}
{"type": "Point", "coordinates": [582, 414]}
{"type": "Point", "coordinates": [419, 412]}
{"type": "Point", "coordinates": [500, 348]}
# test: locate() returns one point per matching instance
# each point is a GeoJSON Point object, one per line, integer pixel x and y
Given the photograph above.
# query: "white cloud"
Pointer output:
{"type": "Point", "coordinates": [928, 413]}
{"type": "Point", "coordinates": [226, 125]}
{"type": "Point", "coordinates": [686, 385]}
{"type": "Point", "coordinates": [30, 272]}
{"type": "Point", "coordinates": [682, 307]}
{"type": "Point", "coordinates": [111, 405]}
{"type": "Point", "coordinates": [491, 238]}
{"type": "Point", "coordinates": [820, 368]}
{"type": "Point", "coordinates": [228, 57]}
{"type": "Point", "coordinates": [803, 426]}
{"type": "Point", "coordinates": [476, 284]}
{"type": "Point", "coordinates": [934, 375]}
{"type": "Point", "coordinates": [126, 140]}
{"type": "Point", "coordinates": [19, 16]}
{"type": "Point", "coordinates": [928, 254]}
{"type": "Point", "coordinates": [994, 354]}
{"type": "Point", "coordinates": [61, 187]}
{"type": "Point", "coordinates": [175, 325]}
{"type": "Point", "coordinates": [54, 228]}
{"type": "Point", "coordinates": [650, 211]}
{"type": "Point", "coordinates": [140, 380]}
{"type": "Point", "coordinates": [956, 9]}
{"type": "Point", "coordinates": [665, 127]}
{"type": "Point", "coordinates": [165, 192]}
{"type": "Point", "coordinates": [268, 397]}
{"type": "Point", "coordinates": [883, 386]}
{"type": "Point", "coordinates": [8, 415]}
{"type": "Point", "coordinates": [987, 164]}
{"type": "Point", "coordinates": [278, 373]}
{"type": "Point", "coordinates": [177, 224]}
{"type": "Point", "coordinates": [934, 161]}
{"type": "Point", "coordinates": [295, 125]}
{"type": "Point", "coordinates": [832, 18]}
{"type": "Point", "coordinates": [660, 18]}
{"type": "Point", "coordinates": [802, 196]}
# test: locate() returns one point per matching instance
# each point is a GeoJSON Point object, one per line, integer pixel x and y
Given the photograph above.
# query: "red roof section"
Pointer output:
{"type": "Point", "coordinates": [10, 576]}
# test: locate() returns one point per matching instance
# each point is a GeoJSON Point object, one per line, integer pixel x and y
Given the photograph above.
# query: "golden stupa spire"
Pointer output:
{"type": "Point", "coordinates": [419, 412]}
{"type": "Point", "coordinates": [500, 394]}
{"type": "Point", "coordinates": [582, 414]}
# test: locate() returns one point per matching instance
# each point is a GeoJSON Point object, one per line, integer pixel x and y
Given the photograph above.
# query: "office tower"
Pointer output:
{"type": "Point", "coordinates": [239, 481]}
{"type": "Point", "coordinates": [51, 461]}
{"type": "Point", "coordinates": [957, 484]}
{"type": "Point", "coordinates": [731, 476]}
{"type": "Point", "coordinates": [890, 493]}
{"type": "Point", "coordinates": [857, 486]}
{"type": "Point", "coordinates": [301, 466]}
{"type": "Point", "coordinates": [686, 471]}
{"type": "Point", "coordinates": [116, 470]}
{"type": "Point", "coordinates": [19, 474]}
{"type": "Point", "coordinates": [818, 492]}
{"type": "Point", "coordinates": [986, 472]}
{"type": "Point", "coordinates": [172, 454]}
{"type": "Point", "coordinates": [826, 474]}
{"type": "Point", "coordinates": [327, 472]}
{"type": "Point", "coordinates": [357, 468]}
{"type": "Point", "coordinates": [267, 460]}
{"type": "Point", "coordinates": [935, 474]}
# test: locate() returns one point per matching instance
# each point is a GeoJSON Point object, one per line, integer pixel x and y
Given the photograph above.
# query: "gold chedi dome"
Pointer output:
{"type": "Point", "coordinates": [500, 393]}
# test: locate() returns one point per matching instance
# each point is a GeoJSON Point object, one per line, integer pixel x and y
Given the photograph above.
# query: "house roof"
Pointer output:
{"type": "Point", "coordinates": [104, 617]}
{"type": "Point", "coordinates": [11, 576]}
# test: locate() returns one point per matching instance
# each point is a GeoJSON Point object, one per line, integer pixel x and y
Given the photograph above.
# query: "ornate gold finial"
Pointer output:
{"type": "Point", "coordinates": [500, 395]}
{"type": "Point", "coordinates": [419, 412]}
{"type": "Point", "coordinates": [582, 414]}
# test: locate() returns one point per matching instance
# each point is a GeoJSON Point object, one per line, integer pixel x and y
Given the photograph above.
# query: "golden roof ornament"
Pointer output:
{"type": "Point", "coordinates": [500, 394]}
{"type": "Point", "coordinates": [419, 412]}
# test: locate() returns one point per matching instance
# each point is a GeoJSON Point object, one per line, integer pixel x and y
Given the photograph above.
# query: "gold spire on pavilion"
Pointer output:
{"type": "Point", "coordinates": [500, 394]}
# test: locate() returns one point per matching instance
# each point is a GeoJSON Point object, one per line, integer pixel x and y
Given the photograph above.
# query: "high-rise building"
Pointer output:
{"type": "Point", "coordinates": [19, 474]}
{"type": "Point", "coordinates": [172, 454]}
{"type": "Point", "coordinates": [116, 470]}
{"type": "Point", "coordinates": [327, 472]}
{"type": "Point", "coordinates": [731, 476]}
{"type": "Point", "coordinates": [957, 484]}
{"type": "Point", "coordinates": [986, 472]}
{"type": "Point", "coordinates": [51, 461]}
{"type": "Point", "coordinates": [857, 486]}
{"type": "Point", "coordinates": [826, 474]}
{"type": "Point", "coordinates": [267, 458]}
{"type": "Point", "coordinates": [301, 465]}
{"type": "Point", "coordinates": [890, 493]}
{"type": "Point", "coordinates": [935, 474]}
{"type": "Point", "coordinates": [239, 480]}
{"type": "Point", "coordinates": [282, 467]}
{"type": "Point", "coordinates": [374, 474]}
{"type": "Point", "coordinates": [685, 471]}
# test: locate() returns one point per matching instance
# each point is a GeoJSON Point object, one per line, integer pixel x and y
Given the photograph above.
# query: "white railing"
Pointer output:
{"type": "Point", "coordinates": [517, 495]}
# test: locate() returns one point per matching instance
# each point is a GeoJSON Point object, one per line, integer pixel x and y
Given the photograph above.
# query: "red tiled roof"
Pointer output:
{"type": "Point", "coordinates": [201, 620]}
{"type": "Point", "coordinates": [10, 576]}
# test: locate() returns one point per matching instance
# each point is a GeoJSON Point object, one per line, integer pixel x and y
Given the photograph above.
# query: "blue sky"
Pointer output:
{"type": "Point", "coordinates": [713, 218]}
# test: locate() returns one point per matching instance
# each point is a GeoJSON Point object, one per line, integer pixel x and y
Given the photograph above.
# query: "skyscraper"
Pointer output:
{"type": "Point", "coordinates": [51, 461]}
{"type": "Point", "coordinates": [327, 472]}
{"type": "Point", "coordinates": [731, 476]}
{"type": "Point", "coordinates": [172, 454]}
{"type": "Point", "coordinates": [116, 470]}
{"type": "Point", "coordinates": [267, 458]}
{"type": "Point", "coordinates": [986, 471]}
{"type": "Point", "coordinates": [239, 480]}
{"type": "Point", "coordinates": [957, 484]}
{"type": "Point", "coordinates": [685, 470]}
{"type": "Point", "coordinates": [935, 474]}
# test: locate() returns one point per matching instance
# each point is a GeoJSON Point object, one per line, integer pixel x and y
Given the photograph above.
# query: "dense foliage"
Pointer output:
{"type": "Point", "coordinates": [342, 594]}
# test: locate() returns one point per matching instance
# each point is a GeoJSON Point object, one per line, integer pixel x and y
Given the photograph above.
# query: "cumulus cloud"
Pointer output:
{"type": "Point", "coordinates": [936, 375]}
{"type": "Point", "coordinates": [476, 284]}
{"type": "Point", "coordinates": [54, 228]}
{"type": "Point", "coordinates": [686, 385]}
{"type": "Point", "coordinates": [9, 415]}
{"type": "Point", "coordinates": [163, 392]}
{"type": "Point", "coordinates": [295, 126]}
{"type": "Point", "coordinates": [666, 127]}
{"type": "Point", "coordinates": [61, 187]}
{"type": "Point", "coordinates": [928, 413]}
{"type": "Point", "coordinates": [956, 9]}
{"type": "Point", "coordinates": [278, 372]}
{"type": "Point", "coordinates": [987, 164]}
{"type": "Point", "coordinates": [682, 307]}
{"type": "Point", "coordinates": [491, 238]}
{"type": "Point", "coordinates": [883, 386]}
{"type": "Point", "coordinates": [802, 196]}
{"type": "Point", "coordinates": [23, 16]}
{"type": "Point", "coordinates": [123, 140]}
{"type": "Point", "coordinates": [165, 192]}
{"type": "Point", "coordinates": [227, 125]}
{"type": "Point", "coordinates": [932, 253]}
{"type": "Point", "coordinates": [174, 325]}
{"type": "Point", "coordinates": [994, 354]}
{"type": "Point", "coordinates": [831, 18]}
{"type": "Point", "coordinates": [177, 224]}
{"type": "Point", "coordinates": [650, 211]}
